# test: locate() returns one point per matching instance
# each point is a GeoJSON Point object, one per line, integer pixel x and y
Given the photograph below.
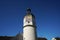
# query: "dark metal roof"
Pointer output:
{"type": "Point", "coordinates": [28, 9]}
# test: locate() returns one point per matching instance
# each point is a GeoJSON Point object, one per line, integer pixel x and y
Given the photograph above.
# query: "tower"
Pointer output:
{"type": "Point", "coordinates": [29, 29]}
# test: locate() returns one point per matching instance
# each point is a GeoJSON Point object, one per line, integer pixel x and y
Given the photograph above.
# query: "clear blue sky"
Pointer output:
{"type": "Point", "coordinates": [47, 13]}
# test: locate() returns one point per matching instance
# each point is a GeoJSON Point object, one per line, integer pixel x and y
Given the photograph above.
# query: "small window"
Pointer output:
{"type": "Point", "coordinates": [28, 21]}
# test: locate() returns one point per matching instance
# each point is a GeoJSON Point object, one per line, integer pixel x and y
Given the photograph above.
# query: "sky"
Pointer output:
{"type": "Point", "coordinates": [47, 14]}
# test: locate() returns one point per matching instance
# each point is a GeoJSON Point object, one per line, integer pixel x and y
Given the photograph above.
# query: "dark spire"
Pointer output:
{"type": "Point", "coordinates": [28, 10]}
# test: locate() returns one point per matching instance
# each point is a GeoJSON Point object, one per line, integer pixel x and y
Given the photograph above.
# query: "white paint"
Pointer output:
{"type": "Point", "coordinates": [29, 33]}
{"type": "Point", "coordinates": [53, 39]}
{"type": "Point", "coordinates": [26, 23]}
{"type": "Point", "coordinates": [28, 18]}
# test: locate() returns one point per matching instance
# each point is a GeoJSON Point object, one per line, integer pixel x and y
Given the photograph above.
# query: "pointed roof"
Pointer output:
{"type": "Point", "coordinates": [28, 11]}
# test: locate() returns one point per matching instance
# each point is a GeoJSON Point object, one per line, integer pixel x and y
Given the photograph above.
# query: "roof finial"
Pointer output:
{"type": "Point", "coordinates": [28, 10]}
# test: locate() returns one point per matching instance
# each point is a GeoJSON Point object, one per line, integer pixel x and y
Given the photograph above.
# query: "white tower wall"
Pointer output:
{"type": "Point", "coordinates": [29, 29]}
{"type": "Point", "coordinates": [29, 33]}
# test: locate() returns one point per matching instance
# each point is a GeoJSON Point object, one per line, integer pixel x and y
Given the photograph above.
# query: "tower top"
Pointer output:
{"type": "Point", "coordinates": [28, 12]}
{"type": "Point", "coordinates": [29, 18]}
{"type": "Point", "coordinates": [28, 9]}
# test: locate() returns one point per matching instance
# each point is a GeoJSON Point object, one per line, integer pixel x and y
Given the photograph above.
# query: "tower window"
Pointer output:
{"type": "Point", "coordinates": [28, 21]}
